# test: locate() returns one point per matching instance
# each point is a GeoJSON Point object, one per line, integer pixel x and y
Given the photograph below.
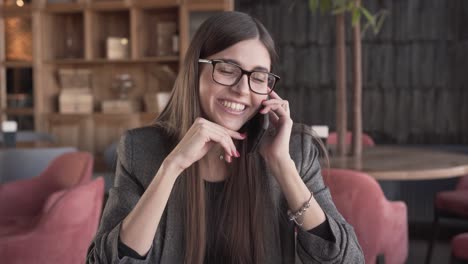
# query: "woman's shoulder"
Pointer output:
{"type": "Point", "coordinates": [302, 136]}
{"type": "Point", "coordinates": [147, 133]}
{"type": "Point", "coordinates": [304, 145]}
{"type": "Point", "coordinates": [144, 147]}
{"type": "Point", "coordinates": [146, 140]}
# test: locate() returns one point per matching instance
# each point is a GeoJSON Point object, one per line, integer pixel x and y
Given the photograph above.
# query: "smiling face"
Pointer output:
{"type": "Point", "coordinates": [232, 106]}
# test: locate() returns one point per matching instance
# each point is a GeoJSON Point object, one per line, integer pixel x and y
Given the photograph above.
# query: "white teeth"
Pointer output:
{"type": "Point", "coordinates": [234, 106]}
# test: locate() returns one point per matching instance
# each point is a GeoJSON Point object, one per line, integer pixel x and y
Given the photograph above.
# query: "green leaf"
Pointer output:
{"type": "Point", "coordinates": [364, 30]}
{"type": "Point", "coordinates": [367, 14]}
{"type": "Point", "coordinates": [339, 3]}
{"type": "Point", "coordinates": [344, 6]}
{"type": "Point", "coordinates": [380, 20]}
{"type": "Point", "coordinates": [356, 15]}
{"type": "Point", "coordinates": [325, 5]}
{"type": "Point", "coordinates": [313, 5]}
{"type": "Point", "coordinates": [339, 10]}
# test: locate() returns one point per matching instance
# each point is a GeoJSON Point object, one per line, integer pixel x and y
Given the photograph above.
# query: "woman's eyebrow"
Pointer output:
{"type": "Point", "coordinates": [256, 68]}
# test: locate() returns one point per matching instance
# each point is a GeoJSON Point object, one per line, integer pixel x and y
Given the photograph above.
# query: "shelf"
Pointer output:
{"type": "Point", "coordinates": [157, 40]}
{"type": "Point", "coordinates": [174, 58]}
{"type": "Point", "coordinates": [19, 111]}
{"type": "Point", "coordinates": [13, 10]}
{"type": "Point", "coordinates": [156, 4]}
{"type": "Point", "coordinates": [60, 115]}
{"type": "Point", "coordinates": [64, 7]}
{"type": "Point", "coordinates": [17, 64]}
{"type": "Point", "coordinates": [108, 24]}
{"type": "Point", "coordinates": [70, 43]}
{"type": "Point", "coordinates": [109, 6]}
{"type": "Point", "coordinates": [103, 115]}
{"type": "Point", "coordinates": [116, 115]}
{"type": "Point", "coordinates": [206, 6]}
{"type": "Point", "coordinates": [162, 59]}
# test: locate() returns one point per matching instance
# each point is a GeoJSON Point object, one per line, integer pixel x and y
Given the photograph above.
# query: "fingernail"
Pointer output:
{"type": "Point", "coordinates": [233, 153]}
{"type": "Point", "coordinates": [238, 154]}
{"type": "Point", "coordinates": [244, 135]}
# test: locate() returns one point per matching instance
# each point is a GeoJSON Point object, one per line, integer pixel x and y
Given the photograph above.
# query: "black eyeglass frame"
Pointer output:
{"type": "Point", "coordinates": [248, 73]}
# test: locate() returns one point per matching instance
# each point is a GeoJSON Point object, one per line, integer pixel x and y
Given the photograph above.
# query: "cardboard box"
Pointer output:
{"type": "Point", "coordinates": [75, 79]}
{"type": "Point", "coordinates": [120, 106]}
{"type": "Point", "coordinates": [75, 103]}
{"type": "Point", "coordinates": [117, 48]}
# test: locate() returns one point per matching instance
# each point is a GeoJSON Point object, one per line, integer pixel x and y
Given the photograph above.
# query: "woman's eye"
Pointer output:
{"type": "Point", "coordinates": [226, 71]}
{"type": "Point", "coordinates": [258, 78]}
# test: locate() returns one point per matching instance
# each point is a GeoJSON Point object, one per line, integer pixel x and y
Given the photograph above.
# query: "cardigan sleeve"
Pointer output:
{"type": "Point", "coordinates": [123, 197]}
{"type": "Point", "coordinates": [344, 246]}
{"type": "Point", "coordinates": [323, 230]}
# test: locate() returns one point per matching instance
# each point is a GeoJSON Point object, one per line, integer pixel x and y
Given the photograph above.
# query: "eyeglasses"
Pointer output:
{"type": "Point", "coordinates": [228, 74]}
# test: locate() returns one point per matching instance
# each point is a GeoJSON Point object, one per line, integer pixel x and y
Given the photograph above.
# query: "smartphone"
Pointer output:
{"type": "Point", "coordinates": [256, 129]}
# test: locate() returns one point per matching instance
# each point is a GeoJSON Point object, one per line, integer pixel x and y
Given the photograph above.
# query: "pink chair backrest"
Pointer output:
{"type": "Point", "coordinates": [74, 213]}
{"type": "Point", "coordinates": [73, 206]}
{"type": "Point", "coordinates": [359, 198]}
{"type": "Point", "coordinates": [69, 169]}
{"type": "Point", "coordinates": [460, 246]}
{"type": "Point", "coordinates": [366, 139]}
{"type": "Point", "coordinates": [462, 183]}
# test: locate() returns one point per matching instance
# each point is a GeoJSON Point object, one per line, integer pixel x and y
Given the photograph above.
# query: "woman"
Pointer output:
{"type": "Point", "coordinates": [194, 189]}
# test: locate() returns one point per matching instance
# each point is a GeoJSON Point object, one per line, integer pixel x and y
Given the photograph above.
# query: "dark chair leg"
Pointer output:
{"type": "Point", "coordinates": [381, 259]}
{"type": "Point", "coordinates": [435, 231]}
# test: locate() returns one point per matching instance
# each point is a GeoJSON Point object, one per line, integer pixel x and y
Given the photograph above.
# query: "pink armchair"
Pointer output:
{"type": "Point", "coordinates": [459, 249]}
{"type": "Point", "coordinates": [61, 232]}
{"type": "Point", "coordinates": [448, 204]}
{"type": "Point", "coordinates": [25, 198]}
{"type": "Point", "coordinates": [381, 226]}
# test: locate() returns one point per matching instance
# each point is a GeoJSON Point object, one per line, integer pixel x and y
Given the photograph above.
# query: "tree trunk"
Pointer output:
{"type": "Point", "coordinates": [357, 89]}
{"type": "Point", "coordinates": [341, 108]}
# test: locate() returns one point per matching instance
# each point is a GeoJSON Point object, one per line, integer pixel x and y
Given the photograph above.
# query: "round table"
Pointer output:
{"type": "Point", "coordinates": [404, 163]}
{"type": "Point", "coordinates": [411, 174]}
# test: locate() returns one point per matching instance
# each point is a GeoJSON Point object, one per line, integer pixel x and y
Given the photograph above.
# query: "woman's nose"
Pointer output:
{"type": "Point", "coordinates": [242, 86]}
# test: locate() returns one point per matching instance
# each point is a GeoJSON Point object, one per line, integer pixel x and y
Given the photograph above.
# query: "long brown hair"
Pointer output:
{"type": "Point", "coordinates": [242, 212]}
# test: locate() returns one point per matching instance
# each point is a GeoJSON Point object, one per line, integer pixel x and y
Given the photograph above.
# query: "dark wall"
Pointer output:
{"type": "Point", "coordinates": [415, 71]}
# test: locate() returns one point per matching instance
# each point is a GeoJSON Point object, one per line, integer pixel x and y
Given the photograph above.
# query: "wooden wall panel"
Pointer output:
{"type": "Point", "coordinates": [415, 81]}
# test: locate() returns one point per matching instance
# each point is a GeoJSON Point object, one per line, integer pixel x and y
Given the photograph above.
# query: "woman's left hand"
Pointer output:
{"type": "Point", "coordinates": [275, 148]}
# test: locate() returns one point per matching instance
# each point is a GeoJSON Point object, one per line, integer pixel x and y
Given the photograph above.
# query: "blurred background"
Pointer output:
{"type": "Point", "coordinates": [76, 74]}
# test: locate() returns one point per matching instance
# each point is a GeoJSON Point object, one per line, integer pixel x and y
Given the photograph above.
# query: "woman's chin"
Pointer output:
{"type": "Point", "coordinates": [231, 125]}
{"type": "Point", "coordinates": [234, 127]}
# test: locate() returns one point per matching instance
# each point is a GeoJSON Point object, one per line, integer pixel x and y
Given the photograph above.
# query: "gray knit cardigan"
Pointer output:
{"type": "Point", "coordinates": [140, 154]}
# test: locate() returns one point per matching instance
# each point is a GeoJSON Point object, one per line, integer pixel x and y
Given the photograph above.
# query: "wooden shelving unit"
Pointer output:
{"type": "Point", "coordinates": [70, 7]}
{"type": "Point", "coordinates": [17, 64]}
{"type": "Point", "coordinates": [72, 35]}
{"type": "Point", "coordinates": [19, 111]}
{"type": "Point", "coordinates": [160, 59]}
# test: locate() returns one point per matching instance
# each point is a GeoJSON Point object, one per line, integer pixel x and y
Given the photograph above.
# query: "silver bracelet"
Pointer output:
{"type": "Point", "coordinates": [294, 216]}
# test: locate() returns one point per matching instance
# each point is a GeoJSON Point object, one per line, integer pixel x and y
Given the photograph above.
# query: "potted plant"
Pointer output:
{"type": "Point", "coordinates": [339, 8]}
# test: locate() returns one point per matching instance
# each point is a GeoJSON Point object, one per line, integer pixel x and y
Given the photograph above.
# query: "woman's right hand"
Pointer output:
{"type": "Point", "coordinates": [199, 139]}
